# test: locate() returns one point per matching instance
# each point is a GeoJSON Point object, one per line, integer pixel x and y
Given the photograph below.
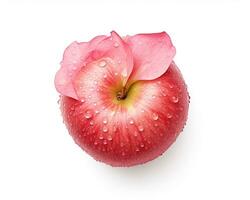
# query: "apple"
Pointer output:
{"type": "Point", "coordinates": [123, 100]}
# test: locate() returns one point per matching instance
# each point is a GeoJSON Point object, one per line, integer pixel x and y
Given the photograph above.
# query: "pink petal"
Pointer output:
{"type": "Point", "coordinates": [78, 55]}
{"type": "Point", "coordinates": [153, 53]}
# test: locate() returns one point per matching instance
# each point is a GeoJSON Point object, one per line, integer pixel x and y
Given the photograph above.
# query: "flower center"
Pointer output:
{"type": "Point", "coordinates": [121, 95]}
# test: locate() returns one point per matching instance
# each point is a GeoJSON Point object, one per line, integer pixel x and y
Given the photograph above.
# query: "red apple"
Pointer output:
{"type": "Point", "coordinates": [124, 101]}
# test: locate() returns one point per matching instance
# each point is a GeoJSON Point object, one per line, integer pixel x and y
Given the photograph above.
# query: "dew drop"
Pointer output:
{"type": "Point", "coordinates": [95, 104]}
{"type": "Point", "coordinates": [155, 116]}
{"type": "Point", "coordinates": [156, 125]}
{"type": "Point", "coordinates": [116, 44]}
{"type": "Point", "coordinates": [175, 99]}
{"type": "Point", "coordinates": [142, 145]}
{"type": "Point", "coordinates": [91, 122]}
{"type": "Point", "coordinates": [114, 129]}
{"type": "Point", "coordinates": [131, 121]}
{"type": "Point", "coordinates": [163, 92]}
{"type": "Point", "coordinates": [89, 96]}
{"type": "Point", "coordinates": [110, 138]}
{"type": "Point", "coordinates": [102, 63]}
{"type": "Point", "coordinates": [95, 82]}
{"type": "Point", "coordinates": [135, 133]}
{"type": "Point", "coordinates": [169, 115]}
{"type": "Point", "coordinates": [124, 73]}
{"type": "Point", "coordinates": [105, 142]}
{"type": "Point", "coordinates": [95, 143]}
{"type": "Point", "coordinates": [140, 128]}
{"type": "Point", "coordinates": [87, 114]}
{"type": "Point", "coordinates": [137, 149]}
{"type": "Point", "coordinates": [100, 137]}
{"type": "Point", "coordinates": [82, 100]}
{"type": "Point", "coordinates": [105, 121]}
{"type": "Point", "coordinates": [153, 96]}
{"type": "Point", "coordinates": [97, 112]}
{"type": "Point", "coordinates": [116, 73]}
{"type": "Point", "coordinates": [105, 129]}
{"type": "Point", "coordinates": [105, 76]}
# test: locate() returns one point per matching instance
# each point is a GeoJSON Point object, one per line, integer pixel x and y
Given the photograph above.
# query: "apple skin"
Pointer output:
{"type": "Point", "coordinates": [128, 134]}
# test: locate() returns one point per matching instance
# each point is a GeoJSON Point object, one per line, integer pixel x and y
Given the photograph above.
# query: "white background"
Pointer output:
{"type": "Point", "coordinates": [210, 159]}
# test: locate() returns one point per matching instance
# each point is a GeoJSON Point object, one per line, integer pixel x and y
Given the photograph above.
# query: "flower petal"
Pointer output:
{"type": "Point", "coordinates": [78, 55]}
{"type": "Point", "coordinates": [153, 53]}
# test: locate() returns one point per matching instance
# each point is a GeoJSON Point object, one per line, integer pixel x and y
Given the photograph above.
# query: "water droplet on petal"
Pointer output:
{"type": "Point", "coordinates": [102, 63]}
{"type": "Point", "coordinates": [155, 116]}
{"type": "Point", "coordinates": [97, 112]}
{"type": "Point", "coordinates": [175, 99]}
{"type": "Point", "coordinates": [124, 73]}
{"type": "Point", "coordinates": [169, 115]}
{"type": "Point", "coordinates": [87, 114]}
{"type": "Point", "coordinates": [131, 121]}
{"type": "Point", "coordinates": [105, 121]}
{"type": "Point", "coordinates": [116, 44]}
{"type": "Point", "coordinates": [140, 128]}
{"type": "Point", "coordinates": [100, 137]}
{"type": "Point", "coordinates": [105, 129]}
{"type": "Point", "coordinates": [110, 138]}
{"type": "Point", "coordinates": [91, 122]}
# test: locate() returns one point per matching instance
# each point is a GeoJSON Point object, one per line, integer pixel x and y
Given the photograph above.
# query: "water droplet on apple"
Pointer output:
{"type": "Point", "coordinates": [123, 153]}
{"type": "Point", "coordinates": [155, 116]}
{"type": "Point", "coordinates": [153, 96]}
{"type": "Point", "coordinates": [95, 104]}
{"type": "Point", "coordinates": [116, 73]}
{"type": "Point", "coordinates": [137, 149]}
{"type": "Point", "coordinates": [121, 144]}
{"type": "Point", "coordinates": [142, 110]}
{"type": "Point", "coordinates": [95, 82]}
{"type": "Point", "coordinates": [105, 129]}
{"type": "Point", "coordinates": [135, 133]}
{"type": "Point", "coordinates": [116, 44]}
{"type": "Point", "coordinates": [105, 142]}
{"type": "Point", "coordinates": [95, 143]}
{"type": "Point", "coordinates": [89, 96]}
{"type": "Point", "coordinates": [102, 63]}
{"type": "Point", "coordinates": [142, 145]}
{"type": "Point", "coordinates": [175, 99]}
{"type": "Point", "coordinates": [105, 121]}
{"type": "Point", "coordinates": [105, 76]}
{"type": "Point", "coordinates": [156, 125]}
{"type": "Point", "coordinates": [114, 129]}
{"type": "Point", "coordinates": [82, 100]}
{"type": "Point", "coordinates": [91, 89]}
{"type": "Point", "coordinates": [140, 128]}
{"type": "Point", "coordinates": [87, 114]}
{"type": "Point", "coordinates": [169, 115]}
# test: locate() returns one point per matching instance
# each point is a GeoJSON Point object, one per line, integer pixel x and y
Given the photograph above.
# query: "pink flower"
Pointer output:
{"type": "Point", "coordinates": [132, 58]}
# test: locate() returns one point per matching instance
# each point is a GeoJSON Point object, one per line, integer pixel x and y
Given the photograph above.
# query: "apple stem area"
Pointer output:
{"type": "Point", "coordinates": [121, 95]}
